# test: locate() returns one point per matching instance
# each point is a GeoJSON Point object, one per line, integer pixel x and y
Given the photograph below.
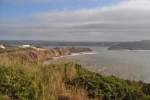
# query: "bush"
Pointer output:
{"type": "Point", "coordinates": [108, 88]}
{"type": "Point", "coordinates": [57, 80]}
{"type": "Point", "coordinates": [17, 85]}
{"type": "Point", "coordinates": [146, 89]}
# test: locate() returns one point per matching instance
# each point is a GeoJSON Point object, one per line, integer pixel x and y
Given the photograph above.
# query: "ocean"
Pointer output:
{"type": "Point", "coordinates": [126, 64]}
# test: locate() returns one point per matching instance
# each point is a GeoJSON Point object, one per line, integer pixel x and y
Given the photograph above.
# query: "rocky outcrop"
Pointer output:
{"type": "Point", "coordinates": [77, 50]}
{"type": "Point", "coordinates": [33, 55]}
{"type": "Point", "coordinates": [56, 52]}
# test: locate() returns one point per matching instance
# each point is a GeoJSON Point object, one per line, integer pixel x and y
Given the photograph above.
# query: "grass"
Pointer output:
{"type": "Point", "coordinates": [13, 49]}
{"type": "Point", "coordinates": [110, 87]}
{"type": "Point", "coordinates": [29, 80]}
{"type": "Point", "coordinates": [23, 79]}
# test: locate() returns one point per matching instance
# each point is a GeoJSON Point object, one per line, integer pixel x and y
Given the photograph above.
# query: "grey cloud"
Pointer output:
{"type": "Point", "coordinates": [99, 24]}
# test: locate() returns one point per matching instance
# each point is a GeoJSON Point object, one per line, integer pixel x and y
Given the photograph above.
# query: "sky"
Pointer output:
{"type": "Point", "coordinates": [75, 20]}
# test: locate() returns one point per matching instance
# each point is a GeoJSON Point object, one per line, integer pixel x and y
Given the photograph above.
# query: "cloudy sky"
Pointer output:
{"type": "Point", "coordinates": [75, 20]}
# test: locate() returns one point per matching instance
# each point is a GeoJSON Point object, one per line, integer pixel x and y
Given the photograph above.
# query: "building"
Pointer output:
{"type": "Point", "coordinates": [33, 47]}
{"type": "Point", "coordinates": [25, 46]}
{"type": "Point", "coordinates": [2, 46]}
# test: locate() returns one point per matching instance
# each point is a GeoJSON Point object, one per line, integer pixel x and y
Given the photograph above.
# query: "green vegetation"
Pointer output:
{"type": "Point", "coordinates": [31, 80]}
{"type": "Point", "coordinates": [22, 79]}
{"type": "Point", "coordinates": [8, 50]}
{"type": "Point", "coordinates": [16, 84]}
{"type": "Point", "coordinates": [110, 87]}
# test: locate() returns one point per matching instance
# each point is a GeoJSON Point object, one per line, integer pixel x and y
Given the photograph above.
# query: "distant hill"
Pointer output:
{"type": "Point", "coordinates": [138, 45]}
{"type": "Point", "coordinates": [135, 45]}
{"type": "Point", "coordinates": [55, 43]}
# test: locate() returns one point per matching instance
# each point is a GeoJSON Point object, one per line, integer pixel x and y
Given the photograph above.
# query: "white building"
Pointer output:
{"type": "Point", "coordinates": [33, 47]}
{"type": "Point", "coordinates": [2, 46]}
{"type": "Point", "coordinates": [25, 46]}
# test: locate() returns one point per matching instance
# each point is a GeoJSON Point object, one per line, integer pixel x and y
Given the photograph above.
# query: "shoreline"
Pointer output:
{"type": "Point", "coordinates": [71, 55]}
{"type": "Point", "coordinates": [75, 54]}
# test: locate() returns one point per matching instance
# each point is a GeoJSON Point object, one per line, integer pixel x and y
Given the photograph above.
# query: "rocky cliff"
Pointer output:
{"type": "Point", "coordinates": [38, 55]}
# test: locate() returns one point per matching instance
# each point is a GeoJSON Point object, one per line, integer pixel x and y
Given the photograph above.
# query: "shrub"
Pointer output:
{"type": "Point", "coordinates": [107, 87]}
{"type": "Point", "coordinates": [17, 85]}
{"type": "Point", "coordinates": [146, 89]}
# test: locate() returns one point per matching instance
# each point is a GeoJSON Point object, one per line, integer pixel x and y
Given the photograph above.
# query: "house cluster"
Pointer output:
{"type": "Point", "coordinates": [24, 46]}
{"type": "Point", "coordinates": [33, 47]}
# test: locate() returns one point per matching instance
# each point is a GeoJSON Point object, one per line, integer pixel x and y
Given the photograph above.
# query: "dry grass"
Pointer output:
{"type": "Point", "coordinates": [61, 81]}
{"type": "Point", "coordinates": [50, 78]}
{"type": "Point", "coordinates": [53, 76]}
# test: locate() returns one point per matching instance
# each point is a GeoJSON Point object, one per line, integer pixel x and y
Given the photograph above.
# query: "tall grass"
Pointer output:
{"type": "Point", "coordinates": [47, 82]}
{"type": "Point", "coordinates": [23, 77]}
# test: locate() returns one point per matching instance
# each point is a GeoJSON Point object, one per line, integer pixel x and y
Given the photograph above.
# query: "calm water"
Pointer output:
{"type": "Point", "coordinates": [133, 65]}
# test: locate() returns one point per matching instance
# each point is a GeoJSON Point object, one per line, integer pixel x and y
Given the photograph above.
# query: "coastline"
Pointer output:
{"type": "Point", "coordinates": [76, 54]}
{"type": "Point", "coordinates": [71, 55]}
{"type": "Point", "coordinates": [63, 76]}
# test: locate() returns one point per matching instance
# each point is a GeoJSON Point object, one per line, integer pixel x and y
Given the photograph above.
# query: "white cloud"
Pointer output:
{"type": "Point", "coordinates": [126, 7]}
{"type": "Point", "coordinates": [133, 5]}
{"type": "Point", "coordinates": [128, 20]}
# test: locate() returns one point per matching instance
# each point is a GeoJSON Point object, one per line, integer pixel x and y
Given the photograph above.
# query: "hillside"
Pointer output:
{"type": "Point", "coordinates": [40, 54]}
{"type": "Point", "coordinates": [56, 43]}
{"type": "Point", "coordinates": [29, 79]}
{"type": "Point", "coordinates": [139, 45]}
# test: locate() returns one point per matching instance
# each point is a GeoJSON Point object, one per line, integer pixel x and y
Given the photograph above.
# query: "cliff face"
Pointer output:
{"type": "Point", "coordinates": [33, 55]}
{"type": "Point", "coordinates": [49, 54]}
{"type": "Point", "coordinates": [77, 50]}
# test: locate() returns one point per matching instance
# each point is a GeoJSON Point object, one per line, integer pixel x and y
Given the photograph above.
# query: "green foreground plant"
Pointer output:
{"type": "Point", "coordinates": [25, 80]}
